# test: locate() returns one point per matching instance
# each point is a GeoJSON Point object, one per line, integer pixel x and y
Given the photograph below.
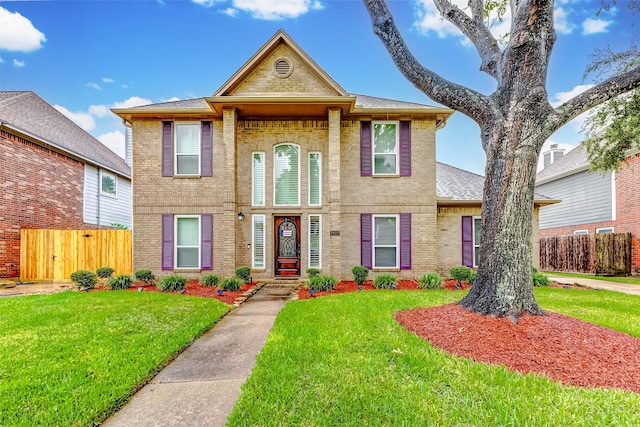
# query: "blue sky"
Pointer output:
{"type": "Point", "coordinates": [85, 57]}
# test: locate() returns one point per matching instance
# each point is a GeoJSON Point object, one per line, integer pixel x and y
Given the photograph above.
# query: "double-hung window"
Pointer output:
{"type": "Point", "coordinates": [187, 152]}
{"type": "Point", "coordinates": [187, 238]}
{"type": "Point", "coordinates": [258, 241]}
{"type": "Point", "coordinates": [315, 245]}
{"type": "Point", "coordinates": [385, 241]}
{"type": "Point", "coordinates": [385, 148]}
{"type": "Point", "coordinates": [315, 179]}
{"type": "Point", "coordinates": [286, 175]}
{"type": "Point", "coordinates": [258, 180]}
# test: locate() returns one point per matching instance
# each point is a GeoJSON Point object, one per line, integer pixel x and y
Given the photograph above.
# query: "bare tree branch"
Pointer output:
{"type": "Point", "coordinates": [471, 103]}
{"type": "Point", "coordinates": [477, 32]}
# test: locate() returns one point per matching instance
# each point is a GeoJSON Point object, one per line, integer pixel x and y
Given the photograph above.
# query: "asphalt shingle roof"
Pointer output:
{"type": "Point", "coordinates": [28, 113]}
{"type": "Point", "coordinates": [457, 184]}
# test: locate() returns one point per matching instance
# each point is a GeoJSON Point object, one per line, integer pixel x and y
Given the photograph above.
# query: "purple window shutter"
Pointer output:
{"type": "Point", "coordinates": [365, 149]}
{"type": "Point", "coordinates": [405, 241]}
{"type": "Point", "coordinates": [167, 148]}
{"type": "Point", "coordinates": [167, 241]}
{"type": "Point", "coordinates": [206, 222]}
{"type": "Point", "coordinates": [366, 246]}
{"type": "Point", "coordinates": [206, 144]}
{"type": "Point", "coordinates": [467, 241]}
{"type": "Point", "coordinates": [405, 148]}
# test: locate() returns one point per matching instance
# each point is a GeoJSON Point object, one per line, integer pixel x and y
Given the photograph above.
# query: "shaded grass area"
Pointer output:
{"type": "Point", "coordinates": [632, 280]}
{"type": "Point", "coordinates": [343, 360]}
{"type": "Point", "coordinates": [74, 358]}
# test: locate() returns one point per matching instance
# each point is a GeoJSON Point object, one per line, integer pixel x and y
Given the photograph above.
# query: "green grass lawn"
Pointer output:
{"type": "Point", "coordinates": [632, 280]}
{"type": "Point", "coordinates": [343, 360]}
{"type": "Point", "coordinates": [73, 358]}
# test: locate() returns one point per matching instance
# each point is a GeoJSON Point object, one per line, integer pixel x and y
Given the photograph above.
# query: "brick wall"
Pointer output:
{"type": "Point", "coordinates": [40, 188]}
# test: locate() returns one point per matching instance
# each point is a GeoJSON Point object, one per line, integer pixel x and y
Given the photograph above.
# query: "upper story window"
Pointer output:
{"type": "Point", "coordinates": [286, 175]}
{"type": "Point", "coordinates": [108, 184]}
{"type": "Point", "coordinates": [187, 148]}
{"type": "Point", "coordinates": [385, 148]}
{"type": "Point", "coordinates": [257, 198]}
{"type": "Point", "coordinates": [315, 179]}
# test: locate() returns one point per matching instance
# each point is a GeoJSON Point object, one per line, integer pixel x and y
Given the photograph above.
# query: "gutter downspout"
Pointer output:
{"type": "Point", "coordinates": [98, 196]}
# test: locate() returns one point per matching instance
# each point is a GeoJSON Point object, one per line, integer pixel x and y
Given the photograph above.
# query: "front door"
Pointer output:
{"type": "Point", "coordinates": [287, 244]}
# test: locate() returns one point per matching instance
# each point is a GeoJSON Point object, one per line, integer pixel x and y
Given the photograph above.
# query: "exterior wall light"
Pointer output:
{"type": "Point", "coordinates": [240, 216]}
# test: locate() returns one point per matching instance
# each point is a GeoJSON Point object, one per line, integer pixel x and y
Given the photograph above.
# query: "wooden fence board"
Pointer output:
{"type": "Point", "coordinates": [55, 254]}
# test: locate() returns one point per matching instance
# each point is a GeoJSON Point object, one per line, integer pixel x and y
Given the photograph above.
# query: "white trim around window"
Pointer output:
{"type": "Point", "coordinates": [477, 227]}
{"type": "Point", "coordinates": [315, 241]}
{"type": "Point", "coordinates": [257, 194]}
{"type": "Point", "coordinates": [187, 242]}
{"type": "Point", "coordinates": [286, 175]}
{"type": "Point", "coordinates": [108, 184]}
{"type": "Point", "coordinates": [385, 141]}
{"type": "Point", "coordinates": [386, 241]}
{"type": "Point", "coordinates": [604, 230]}
{"type": "Point", "coordinates": [187, 148]}
{"type": "Point", "coordinates": [315, 179]}
{"type": "Point", "coordinates": [258, 246]}
{"type": "Point", "coordinates": [580, 232]}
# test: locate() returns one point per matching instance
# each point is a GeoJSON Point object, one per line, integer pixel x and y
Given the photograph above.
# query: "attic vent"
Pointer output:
{"type": "Point", "coordinates": [282, 68]}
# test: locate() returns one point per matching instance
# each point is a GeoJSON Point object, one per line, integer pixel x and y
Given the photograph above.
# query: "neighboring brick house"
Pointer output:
{"type": "Point", "coordinates": [283, 170]}
{"type": "Point", "coordinates": [591, 202]}
{"type": "Point", "coordinates": [53, 175]}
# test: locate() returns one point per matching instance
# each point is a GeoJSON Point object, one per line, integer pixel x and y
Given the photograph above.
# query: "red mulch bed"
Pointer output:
{"type": "Point", "coordinates": [197, 289]}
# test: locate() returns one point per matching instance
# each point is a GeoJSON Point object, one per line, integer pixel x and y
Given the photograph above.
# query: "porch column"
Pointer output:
{"type": "Point", "coordinates": [333, 181]}
{"type": "Point", "coordinates": [227, 229]}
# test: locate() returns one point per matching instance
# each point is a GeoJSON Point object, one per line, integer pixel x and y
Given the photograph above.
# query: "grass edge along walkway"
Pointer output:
{"type": "Point", "coordinates": [343, 360]}
{"type": "Point", "coordinates": [635, 280]}
{"type": "Point", "coordinates": [75, 358]}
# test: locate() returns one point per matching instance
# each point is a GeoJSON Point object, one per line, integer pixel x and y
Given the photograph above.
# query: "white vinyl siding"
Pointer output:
{"type": "Point", "coordinates": [187, 159]}
{"type": "Point", "coordinates": [258, 242]}
{"type": "Point", "coordinates": [258, 180]}
{"type": "Point", "coordinates": [315, 179]}
{"type": "Point", "coordinates": [102, 209]}
{"type": "Point", "coordinates": [286, 175]}
{"type": "Point", "coordinates": [477, 226]}
{"type": "Point", "coordinates": [187, 238]}
{"type": "Point", "coordinates": [385, 148]}
{"type": "Point", "coordinates": [386, 252]}
{"type": "Point", "coordinates": [315, 244]}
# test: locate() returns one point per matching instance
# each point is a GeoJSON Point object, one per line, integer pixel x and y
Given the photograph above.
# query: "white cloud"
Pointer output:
{"type": "Point", "coordinates": [230, 12]}
{"type": "Point", "coordinates": [270, 10]}
{"type": "Point", "coordinates": [95, 86]}
{"type": "Point", "coordinates": [99, 110]}
{"type": "Point", "coordinates": [18, 33]}
{"type": "Point", "coordinates": [82, 119]}
{"type": "Point", "coordinates": [1, 61]}
{"type": "Point", "coordinates": [18, 63]}
{"type": "Point", "coordinates": [562, 97]}
{"type": "Point", "coordinates": [107, 80]}
{"type": "Point", "coordinates": [561, 23]}
{"type": "Point", "coordinates": [134, 101]}
{"type": "Point", "coordinates": [595, 26]}
{"type": "Point", "coordinates": [114, 141]}
{"type": "Point", "coordinates": [172, 99]}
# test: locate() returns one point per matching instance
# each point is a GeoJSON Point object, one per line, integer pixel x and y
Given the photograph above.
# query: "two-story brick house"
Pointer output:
{"type": "Point", "coordinates": [282, 170]}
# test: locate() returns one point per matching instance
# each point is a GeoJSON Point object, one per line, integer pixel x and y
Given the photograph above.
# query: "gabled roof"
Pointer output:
{"type": "Point", "coordinates": [27, 114]}
{"type": "Point", "coordinates": [459, 187]}
{"type": "Point", "coordinates": [571, 163]}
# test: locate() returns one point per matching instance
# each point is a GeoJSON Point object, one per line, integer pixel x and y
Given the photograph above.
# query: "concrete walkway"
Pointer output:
{"type": "Point", "coordinates": [202, 385]}
{"type": "Point", "coordinates": [627, 288]}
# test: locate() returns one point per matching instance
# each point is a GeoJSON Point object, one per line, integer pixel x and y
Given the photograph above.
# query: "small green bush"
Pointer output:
{"type": "Point", "coordinates": [360, 274]}
{"type": "Point", "coordinates": [244, 274]}
{"type": "Point", "coordinates": [104, 272]}
{"type": "Point", "coordinates": [172, 283]}
{"type": "Point", "coordinates": [472, 277]}
{"type": "Point", "coordinates": [322, 283]}
{"type": "Point", "coordinates": [210, 280]}
{"type": "Point", "coordinates": [120, 282]}
{"type": "Point", "coordinates": [84, 279]}
{"type": "Point", "coordinates": [232, 284]}
{"type": "Point", "coordinates": [431, 281]}
{"type": "Point", "coordinates": [385, 281]}
{"type": "Point", "coordinates": [313, 272]}
{"type": "Point", "coordinates": [540, 279]}
{"type": "Point", "coordinates": [145, 276]}
{"type": "Point", "coordinates": [460, 273]}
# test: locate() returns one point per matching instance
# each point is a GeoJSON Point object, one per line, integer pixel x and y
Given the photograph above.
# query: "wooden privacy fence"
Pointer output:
{"type": "Point", "coordinates": [605, 254]}
{"type": "Point", "coordinates": [55, 254]}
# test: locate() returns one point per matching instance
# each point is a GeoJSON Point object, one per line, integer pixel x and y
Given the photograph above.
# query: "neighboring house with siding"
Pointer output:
{"type": "Point", "coordinates": [592, 202]}
{"type": "Point", "coordinates": [54, 175]}
{"type": "Point", "coordinates": [282, 170]}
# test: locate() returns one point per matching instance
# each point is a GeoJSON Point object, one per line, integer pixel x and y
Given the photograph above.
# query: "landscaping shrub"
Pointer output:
{"type": "Point", "coordinates": [385, 281]}
{"type": "Point", "coordinates": [145, 276]}
{"type": "Point", "coordinates": [84, 279]}
{"type": "Point", "coordinates": [120, 282]}
{"type": "Point", "coordinates": [232, 284]}
{"type": "Point", "coordinates": [360, 274]}
{"type": "Point", "coordinates": [104, 272]}
{"type": "Point", "coordinates": [313, 272]}
{"type": "Point", "coordinates": [244, 274]}
{"type": "Point", "coordinates": [210, 280]}
{"type": "Point", "coordinates": [540, 279]}
{"type": "Point", "coordinates": [431, 281]}
{"type": "Point", "coordinates": [322, 283]}
{"type": "Point", "coordinates": [460, 273]}
{"type": "Point", "coordinates": [172, 283]}
{"type": "Point", "coordinates": [472, 277]}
